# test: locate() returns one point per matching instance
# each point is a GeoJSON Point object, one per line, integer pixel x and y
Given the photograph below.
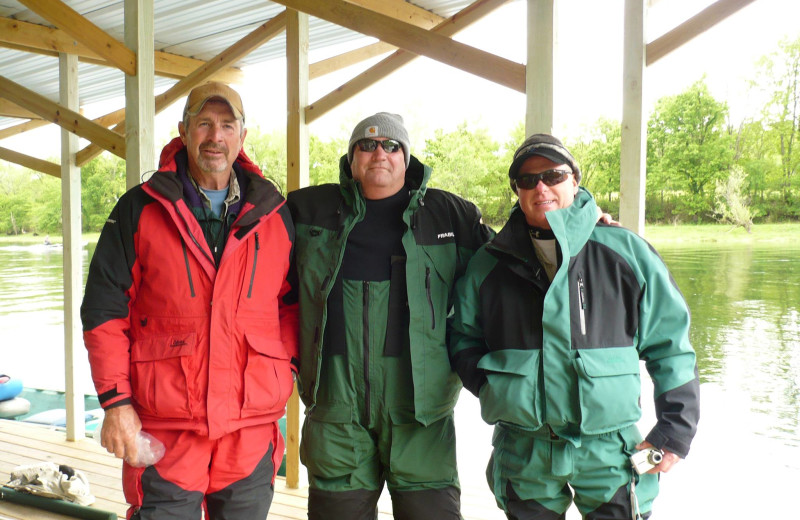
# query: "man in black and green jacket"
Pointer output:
{"type": "Point", "coordinates": [550, 323]}
{"type": "Point", "coordinates": [377, 257]}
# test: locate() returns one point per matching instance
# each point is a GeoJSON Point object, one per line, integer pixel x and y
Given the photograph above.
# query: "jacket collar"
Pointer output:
{"type": "Point", "coordinates": [572, 227]}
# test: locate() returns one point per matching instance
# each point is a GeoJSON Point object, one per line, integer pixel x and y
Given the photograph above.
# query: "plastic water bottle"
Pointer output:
{"type": "Point", "coordinates": [149, 449]}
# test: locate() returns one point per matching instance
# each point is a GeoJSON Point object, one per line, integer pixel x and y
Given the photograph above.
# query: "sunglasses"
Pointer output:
{"type": "Point", "coordinates": [370, 145]}
{"type": "Point", "coordinates": [528, 181]}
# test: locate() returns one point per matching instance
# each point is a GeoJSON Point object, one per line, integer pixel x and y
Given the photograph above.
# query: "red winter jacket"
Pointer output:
{"type": "Point", "coordinates": [192, 345]}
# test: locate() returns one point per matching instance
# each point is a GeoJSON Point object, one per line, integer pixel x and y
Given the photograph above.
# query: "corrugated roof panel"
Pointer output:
{"type": "Point", "coordinates": [199, 29]}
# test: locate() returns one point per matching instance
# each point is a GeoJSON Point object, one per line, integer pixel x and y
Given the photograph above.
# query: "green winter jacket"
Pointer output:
{"type": "Point", "coordinates": [565, 354]}
{"type": "Point", "coordinates": [443, 231]}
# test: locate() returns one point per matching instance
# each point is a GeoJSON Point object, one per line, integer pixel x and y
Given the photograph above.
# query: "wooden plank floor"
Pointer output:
{"type": "Point", "coordinates": [25, 443]}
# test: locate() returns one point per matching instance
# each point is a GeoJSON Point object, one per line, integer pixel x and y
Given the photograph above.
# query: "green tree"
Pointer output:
{"type": "Point", "coordinates": [268, 152]}
{"type": "Point", "coordinates": [323, 159]}
{"type": "Point", "coordinates": [471, 165]}
{"type": "Point", "coordinates": [732, 205]}
{"type": "Point", "coordinates": [102, 184]}
{"type": "Point", "coordinates": [690, 148]}
{"type": "Point", "coordinates": [598, 155]}
{"type": "Point", "coordinates": [779, 77]}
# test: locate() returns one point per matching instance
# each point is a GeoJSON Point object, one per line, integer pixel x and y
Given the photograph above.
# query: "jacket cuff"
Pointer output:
{"type": "Point", "coordinates": [662, 442]}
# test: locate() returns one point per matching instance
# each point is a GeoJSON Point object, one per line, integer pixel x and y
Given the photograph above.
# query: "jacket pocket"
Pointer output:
{"type": "Point", "coordinates": [608, 388]}
{"type": "Point", "coordinates": [160, 374]}
{"type": "Point", "coordinates": [267, 376]}
{"type": "Point", "coordinates": [511, 391]}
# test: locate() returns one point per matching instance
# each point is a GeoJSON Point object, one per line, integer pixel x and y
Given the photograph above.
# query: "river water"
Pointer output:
{"type": "Point", "coordinates": [745, 303]}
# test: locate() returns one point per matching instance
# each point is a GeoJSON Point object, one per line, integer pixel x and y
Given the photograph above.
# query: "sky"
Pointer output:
{"type": "Point", "coordinates": [587, 86]}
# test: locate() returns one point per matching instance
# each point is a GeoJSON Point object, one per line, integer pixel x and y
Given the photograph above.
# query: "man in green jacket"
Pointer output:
{"type": "Point", "coordinates": [377, 257]}
{"type": "Point", "coordinates": [550, 323]}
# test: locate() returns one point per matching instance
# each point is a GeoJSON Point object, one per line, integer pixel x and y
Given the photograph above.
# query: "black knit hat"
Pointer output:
{"type": "Point", "coordinates": [548, 147]}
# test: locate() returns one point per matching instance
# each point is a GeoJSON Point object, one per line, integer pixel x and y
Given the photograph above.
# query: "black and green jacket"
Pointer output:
{"type": "Point", "coordinates": [566, 354]}
{"type": "Point", "coordinates": [442, 233]}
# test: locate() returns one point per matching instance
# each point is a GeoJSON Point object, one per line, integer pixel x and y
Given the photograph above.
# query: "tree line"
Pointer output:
{"type": "Point", "coordinates": [700, 166]}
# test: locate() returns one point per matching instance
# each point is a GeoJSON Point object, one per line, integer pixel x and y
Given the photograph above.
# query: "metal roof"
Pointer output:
{"type": "Point", "coordinates": [198, 29]}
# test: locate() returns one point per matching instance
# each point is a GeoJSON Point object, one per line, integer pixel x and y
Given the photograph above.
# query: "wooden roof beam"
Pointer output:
{"type": "Point", "coordinates": [694, 26]}
{"type": "Point", "coordinates": [38, 39]}
{"type": "Point", "coordinates": [63, 117]}
{"type": "Point", "coordinates": [39, 165]}
{"type": "Point", "coordinates": [416, 40]}
{"type": "Point", "coordinates": [262, 34]}
{"type": "Point", "coordinates": [256, 38]}
{"type": "Point", "coordinates": [448, 27]}
{"type": "Point", "coordinates": [22, 127]}
{"type": "Point", "coordinates": [397, 9]}
{"type": "Point", "coordinates": [9, 109]}
{"type": "Point", "coordinates": [61, 15]}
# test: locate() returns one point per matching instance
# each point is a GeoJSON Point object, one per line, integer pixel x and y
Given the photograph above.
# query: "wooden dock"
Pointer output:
{"type": "Point", "coordinates": [24, 443]}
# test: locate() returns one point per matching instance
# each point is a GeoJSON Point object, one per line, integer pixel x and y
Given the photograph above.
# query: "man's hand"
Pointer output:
{"type": "Point", "coordinates": [668, 460]}
{"type": "Point", "coordinates": [118, 435]}
{"type": "Point", "coordinates": [606, 218]}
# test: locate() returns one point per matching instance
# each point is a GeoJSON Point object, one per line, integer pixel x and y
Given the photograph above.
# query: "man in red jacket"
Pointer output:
{"type": "Point", "coordinates": [191, 323]}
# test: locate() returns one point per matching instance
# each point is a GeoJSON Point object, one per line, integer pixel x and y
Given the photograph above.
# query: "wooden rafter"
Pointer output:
{"type": "Point", "coordinates": [22, 128]}
{"type": "Point", "coordinates": [256, 38]}
{"type": "Point", "coordinates": [38, 39]}
{"type": "Point", "coordinates": [414, 39]}
{"type": "Point", "coordinates": [262, 34]}
{"type": "Point", "coordinates": [694, 26]}
{"type": "Point", "coordinates": [402, 11]}
{"type": "Point", "coordinates": [61, 15]}
{"type": "Point", "coordinates": [445, 29]}
{"type": "Point", "coordinates": [63, 117]}
{"type": "Point", "coordinates": [398, 9]}
{"type": "Point", "coordinates": [334, 63]}
{"type": "Point", "coordinates": [9, 109]}
{"type": "Point", "coordinates": [39, 165]}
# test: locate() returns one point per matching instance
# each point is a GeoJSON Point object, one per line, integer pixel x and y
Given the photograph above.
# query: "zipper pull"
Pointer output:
{"type": "Point", "coordinates": [582, 302]}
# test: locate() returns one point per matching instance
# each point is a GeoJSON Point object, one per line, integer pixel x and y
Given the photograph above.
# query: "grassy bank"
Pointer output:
{"type": "Point", "coordinates": [721, 234]}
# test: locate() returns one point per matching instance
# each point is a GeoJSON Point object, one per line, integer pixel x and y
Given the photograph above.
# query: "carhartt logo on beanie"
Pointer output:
{"type": "Point", "coordinates": [382, 124]}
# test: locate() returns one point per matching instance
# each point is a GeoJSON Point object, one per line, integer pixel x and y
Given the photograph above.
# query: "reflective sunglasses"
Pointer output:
{"type": "Point", "coordinates": [528, 181]}
{"type": "Point", "coordinates": [370, 145]}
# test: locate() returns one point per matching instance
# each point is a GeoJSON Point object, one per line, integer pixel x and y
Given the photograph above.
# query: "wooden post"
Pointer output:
{"type": "Point", "coordinates": [74, 354]}
{"type": "Point", "coordinates": [633, 139]}
{"type": "Point", "coordinates": [296, 177]}
{"type": "Point", "coordinates": [139, 99]}
{"type": "Point", "coordinates": [540, 70]}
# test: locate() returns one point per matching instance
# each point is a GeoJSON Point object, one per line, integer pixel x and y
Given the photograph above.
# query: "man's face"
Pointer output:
{"type": "Point", "coordinates": [381, 174]}
{"type": "Point", "coordinates": [213, 139]}
{"type": "Point", "coordinates": [538, 200]}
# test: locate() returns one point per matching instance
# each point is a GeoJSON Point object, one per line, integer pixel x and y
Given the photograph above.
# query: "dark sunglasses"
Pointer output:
{"type": "Point", "coordinates": [370, 145]}
{"type": "Point", "coordinates": [528, 181]}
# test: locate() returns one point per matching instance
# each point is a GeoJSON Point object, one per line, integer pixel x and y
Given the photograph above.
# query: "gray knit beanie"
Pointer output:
{"type": "Point", "coordinates": [547, 146]}
{"type": "Point", "coordinates": [382, 124]}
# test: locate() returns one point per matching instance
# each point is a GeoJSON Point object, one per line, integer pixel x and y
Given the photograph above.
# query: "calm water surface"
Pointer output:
{"type": "Point", "coordinates": [745, 303]}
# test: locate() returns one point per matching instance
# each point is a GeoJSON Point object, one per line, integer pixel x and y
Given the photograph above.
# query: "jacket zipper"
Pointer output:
{"type": "Point", "coordinates": [582, 304]}
{"type": "Point", "coordinates": [188, 269]}
{"type": "Point", "coordinates": [366, 352]}
{"type": "Point", "coordinates": [255, 261]}
{"type": "Point", "coordinates": [430, 299]}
